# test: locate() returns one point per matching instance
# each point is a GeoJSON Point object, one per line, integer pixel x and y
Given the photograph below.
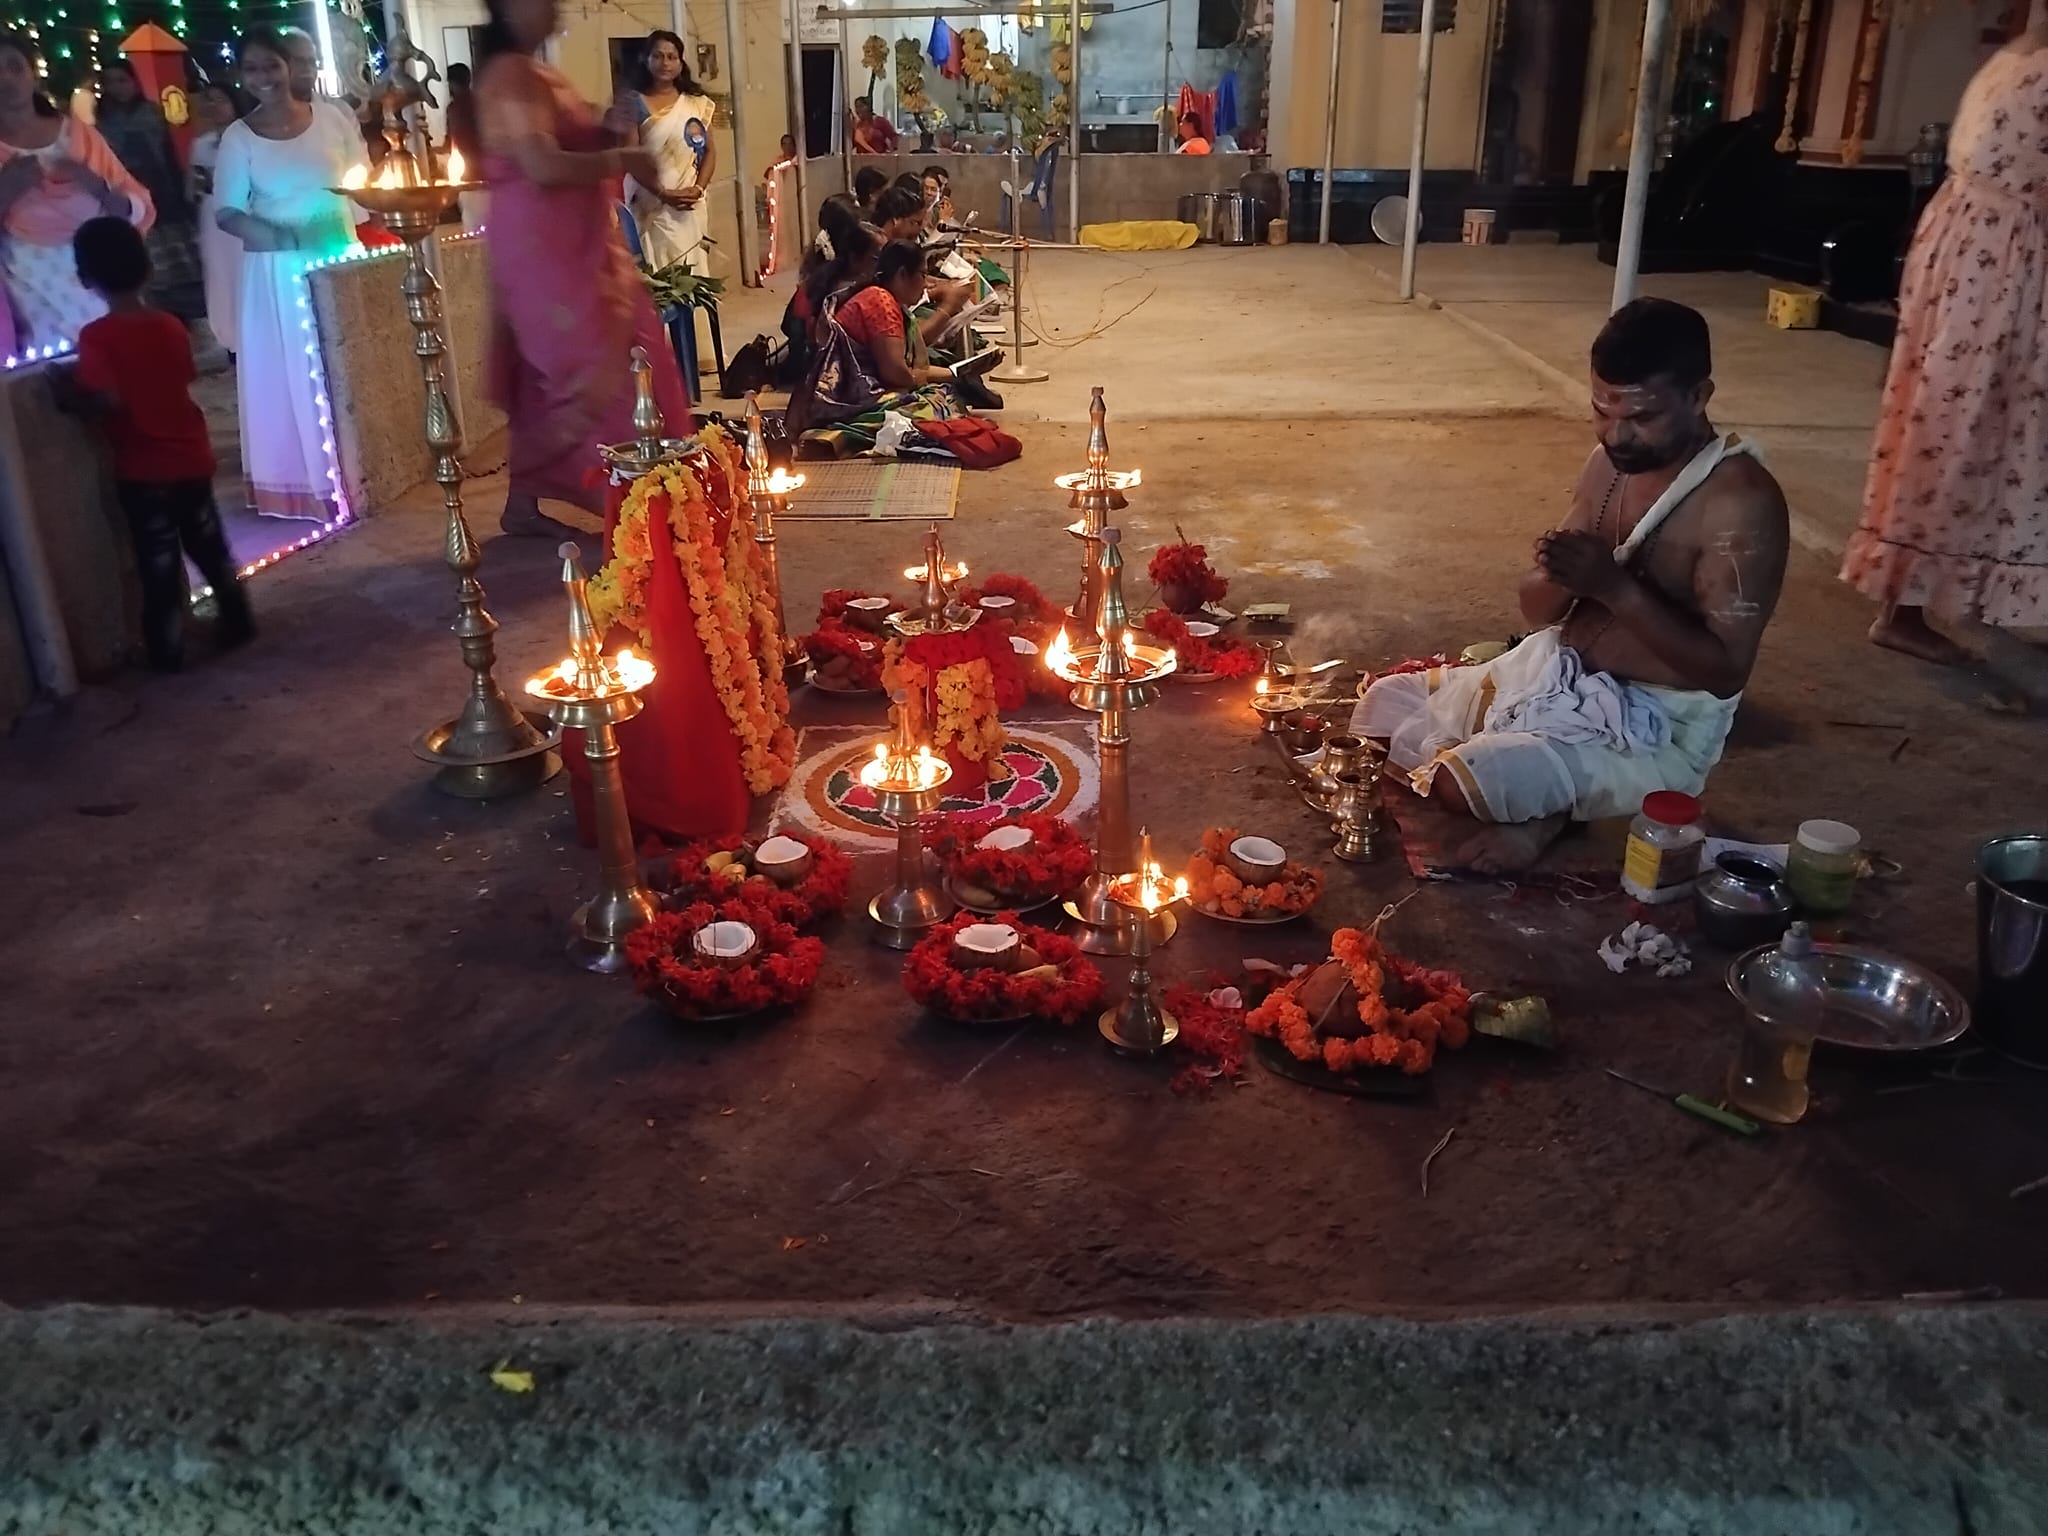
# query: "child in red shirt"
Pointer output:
{"type": "Point", "coordinates": [134, 372]}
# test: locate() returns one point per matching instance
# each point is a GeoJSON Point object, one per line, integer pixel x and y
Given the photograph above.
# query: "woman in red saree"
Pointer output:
{"type": "Point", "coordinates": [568, 306]}
{"type": "Point", "coordinates": [568, 309]}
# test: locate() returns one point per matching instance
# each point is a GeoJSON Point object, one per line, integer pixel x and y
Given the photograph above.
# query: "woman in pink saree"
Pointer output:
{"type": "Point", "coordinates": [568, 305]}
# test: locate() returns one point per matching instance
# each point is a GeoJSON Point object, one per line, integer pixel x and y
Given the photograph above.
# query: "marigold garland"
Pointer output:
{"type": "Point", "coordinates": [1212, 885]}
{"type": "Point", "coordinates": [931, 978]}
{"type": "Point", "coordinates": [1202, 655]}
{"type": "Point", "coordinates": [1056, 859]}
{"type": "Point", "coordinates": [1396, 1037]}
{"type": "Point", "coordinates": [728, 593]}
{"type": "Point", "coordinates": [665, 966]}
{"type": "Point", "coordinates": [682, 880]}
{"type": "Point", "coordinates": [956, 687]}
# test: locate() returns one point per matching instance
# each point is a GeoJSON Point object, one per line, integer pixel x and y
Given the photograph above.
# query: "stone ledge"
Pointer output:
{"type": "Point", "coordinates": [1893, 1420]}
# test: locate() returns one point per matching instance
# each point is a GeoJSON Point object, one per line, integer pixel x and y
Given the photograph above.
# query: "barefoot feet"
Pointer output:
{"type": "Point", "coordinates": [523, 518]}
{"type": "Point", "coordinates": [1508, 848]}
{"type": "Point", "coordinates": [1906, 630]}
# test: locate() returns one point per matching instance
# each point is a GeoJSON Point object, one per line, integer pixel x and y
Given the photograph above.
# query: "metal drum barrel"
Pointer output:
{"type": "Point", "coordinates": [1199, 209]}
{"type": "Point", "coordinates": [1238, 220]}
{"type": "Point", "coordinates": [2012, 946]}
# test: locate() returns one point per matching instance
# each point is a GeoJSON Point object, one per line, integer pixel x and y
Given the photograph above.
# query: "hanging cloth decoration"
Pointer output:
{"type": "Point", "coordinates": [1226, 103]}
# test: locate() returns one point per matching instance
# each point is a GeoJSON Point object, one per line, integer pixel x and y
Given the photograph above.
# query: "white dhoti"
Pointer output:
{"type": "Point", "coordinates": [1533, 734]}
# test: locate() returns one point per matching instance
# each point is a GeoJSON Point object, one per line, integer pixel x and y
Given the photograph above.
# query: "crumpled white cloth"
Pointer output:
{"type": "Point", "coordinates": [1549, 693]}
{"type": "Point", "coordinates": [894, 429]}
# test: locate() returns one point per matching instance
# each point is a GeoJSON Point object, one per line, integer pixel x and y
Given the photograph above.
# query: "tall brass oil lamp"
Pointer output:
{"type": "Point", "coordinates": [1095, 492]}
{"type": "Point", "coordinates": [768, 492]}
{"type": "Point", "coordinates": [1139, 1025]}
{"type": "Point", "coordinates": [491, 748]}
{"type": "Point", "coordinates": [907, 780]}
{"type": "Point", "coordinates": [592, 692]}
{"type": "Point", "coordinates": [1111, 678]}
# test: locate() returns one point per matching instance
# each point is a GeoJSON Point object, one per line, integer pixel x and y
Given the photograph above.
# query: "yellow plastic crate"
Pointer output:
{"type": "Point", "coordinates": [1793, 309]}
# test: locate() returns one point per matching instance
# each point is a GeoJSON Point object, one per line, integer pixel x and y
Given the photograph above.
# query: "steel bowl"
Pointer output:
{"type": "Point", "coordinates": [1873, 1001]}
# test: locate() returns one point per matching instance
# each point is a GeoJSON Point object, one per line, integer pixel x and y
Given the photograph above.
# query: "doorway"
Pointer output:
{"type": "Point", "coordinates": [1535, 87]}
{"type": "Point", "coordinates": [824, 108]}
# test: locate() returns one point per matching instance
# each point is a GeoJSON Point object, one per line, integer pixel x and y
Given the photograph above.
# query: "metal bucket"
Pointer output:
{"type": "Point", "coordinates": [2012, 946]}
{"type": "Point", "coordinates": [1199, 209]}
{"type": "Point", "coordinates": [1238, 220]}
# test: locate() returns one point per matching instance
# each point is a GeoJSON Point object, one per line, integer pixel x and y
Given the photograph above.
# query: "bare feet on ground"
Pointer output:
{"type": "Point", "coordinates": [1508, 848]}
{"type": "Point", "coordinates": [523, 518]}
{"type": "Point", "coordinates": [1906, 630]}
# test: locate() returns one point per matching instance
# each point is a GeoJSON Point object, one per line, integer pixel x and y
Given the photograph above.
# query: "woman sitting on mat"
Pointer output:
{"type": "Point", "coordinates": [872, 361]}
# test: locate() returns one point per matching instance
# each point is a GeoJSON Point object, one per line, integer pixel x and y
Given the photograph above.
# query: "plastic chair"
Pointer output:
{"type": "Point", "coordinates": [1038, 190]}
{"type": "Point", "coordinates": [680, 321]}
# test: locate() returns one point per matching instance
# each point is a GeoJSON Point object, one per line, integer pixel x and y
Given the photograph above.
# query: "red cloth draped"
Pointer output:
{"type": "Point", "coordinates": [679, 757]}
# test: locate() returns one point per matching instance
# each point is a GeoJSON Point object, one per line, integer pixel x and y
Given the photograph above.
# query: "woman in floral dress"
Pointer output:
{"type": "Point", "coordinates": [1955, 510]}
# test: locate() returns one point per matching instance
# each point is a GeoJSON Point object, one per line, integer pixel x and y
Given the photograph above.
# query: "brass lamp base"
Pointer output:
{"type": "Point", "coordinates": [1148, 1030]}
{"type": "Point", "coordinates": [490, 763]}
{"type": "Point", "coordinates": [598, 931]}
{"type": "Point", "coordinates": [904, 915]}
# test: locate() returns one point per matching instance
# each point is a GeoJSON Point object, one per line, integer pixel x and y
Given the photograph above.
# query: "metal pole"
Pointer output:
{"type": "Point", "coordinates": [1642, 147]}
{"type": "Point", "coordinates": [1425, 57]}
{"type": "Point", "coordinates": [1017, 373]}
{"type": "Point", "coordinates": [796, 109]}
{"type": "Point", "coordinates": [845, 109]}
{"type": "Point", "coordinates": [1330, 128]}
{"type": "Point", "coordinates": [1073, 123]}
{"type": "Point", "coordinates": [1166, 76]}
{"type": "Point", "coordinates": [678, 23]}
{"type": "Point", "coordinates": [742, 180]}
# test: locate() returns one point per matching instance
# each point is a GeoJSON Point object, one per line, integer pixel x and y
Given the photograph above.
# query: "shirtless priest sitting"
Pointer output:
{"type": "Point", "coordinates": [1652, 597]}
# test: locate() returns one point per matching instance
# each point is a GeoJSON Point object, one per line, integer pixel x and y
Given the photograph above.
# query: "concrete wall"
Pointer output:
{"type": "Point", "coordinates": [85, 540]}
{"type": "Point", "coordinates": [373, 377]}
{"type": "Point", "coordinates": [1112, 186]}
{"type": "Point", "coordinates": [1376, 100]}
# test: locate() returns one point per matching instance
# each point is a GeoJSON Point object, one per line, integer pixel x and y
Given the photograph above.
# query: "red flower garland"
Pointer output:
{"type": "Point", "coordinates": [833, 605]}
{"type": "Point", "coordinates": [932, 654]}
{"type": "Point", "coordinates": [665, 966]}
{"type": "Point", "coordinates": [1032, 605]}
{"type": "Point", "coordinates": [1201, 655]}
{"type": "Point", "coordinates": [1055, 860]}
{"type": "Point", "coordinates": [833, 640]}
{"type": "Point", "coordinates": [1187, 567]}
{"type": "Point", "coordinates": [1214, 1035]}
{"type": "Point", "coordinates": [683, 880]}
{"type": "Point", "coordinates": [931, 978]}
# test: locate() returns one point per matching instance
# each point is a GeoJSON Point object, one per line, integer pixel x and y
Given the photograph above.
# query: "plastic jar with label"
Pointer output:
{"type": "Point", "coordinates": [1664, 844]}
{"type": "Point", "coordinates": [1821, 866]}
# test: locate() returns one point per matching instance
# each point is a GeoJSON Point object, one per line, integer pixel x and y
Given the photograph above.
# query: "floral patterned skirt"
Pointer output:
{"type": "Point", "coordinates": [1955, 508]}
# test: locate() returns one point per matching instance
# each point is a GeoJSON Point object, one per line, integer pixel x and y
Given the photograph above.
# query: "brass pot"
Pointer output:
{"type": "Point", "coordinates": [1342, 753]}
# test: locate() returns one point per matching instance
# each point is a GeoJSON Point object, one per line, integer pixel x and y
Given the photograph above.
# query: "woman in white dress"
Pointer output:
{"type": "Point", "coordinates": [677, 128]}
{"type": "Point", "coordinates": [220, 253]}
{"type": "Point", "coordinates": [271, 192]}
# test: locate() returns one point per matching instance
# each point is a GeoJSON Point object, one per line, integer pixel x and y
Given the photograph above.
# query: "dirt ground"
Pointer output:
{"type": "Point", "coordinates": [287, 1029]}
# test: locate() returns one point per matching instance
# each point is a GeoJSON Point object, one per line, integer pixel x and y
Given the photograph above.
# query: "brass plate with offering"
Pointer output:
{"type": "Point", "coordinates": [1238, 879]}
{"type": "Point", "coordinates": [1015, 864]}
{"type": "Point", "coordinates": [1366, 1009]}
{"type": "Point", "coordinates": [977, 971]}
